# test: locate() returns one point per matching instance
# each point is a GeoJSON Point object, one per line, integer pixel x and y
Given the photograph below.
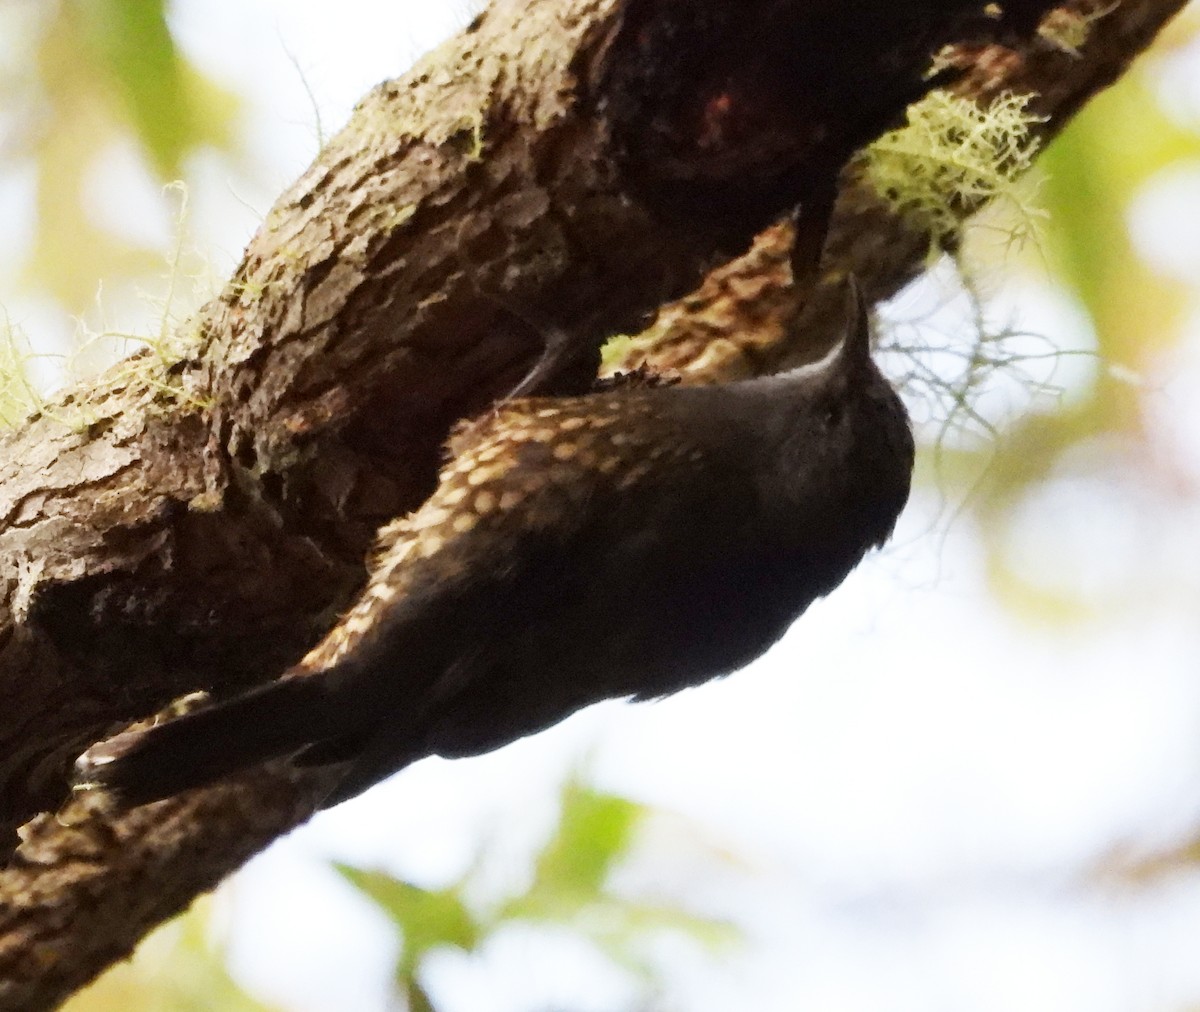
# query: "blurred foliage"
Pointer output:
{"type": "Point", "coordinates": [1128, 866]}
{"type": "Point", "coordinates": [80, 78]}
{"type": "Point", "coordinates": [569, 889]}
{"type": "Point", "coordinates": [181, 965]}
{"type": "Point", "coordinates": [1086, 181]}
{"type": "Point", "coordinates": [1116, 145]}
{"type": "Point", "coordinates": [177, 968]}
{"type": "Point", "coordinates": [101, 73]}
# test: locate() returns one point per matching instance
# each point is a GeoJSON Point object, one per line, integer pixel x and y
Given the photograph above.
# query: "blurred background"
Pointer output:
{"type": "Point", "coordinates": [970, 780]}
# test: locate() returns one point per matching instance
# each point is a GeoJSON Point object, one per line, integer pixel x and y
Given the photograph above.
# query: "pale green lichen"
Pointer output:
{"type": "Point", "coordinates": [144, 362]}
{"type": "Point", "coordinates": [174, 341]}
{"type": "Point", "coordinates": [953, 157]}
{"type": "Point", "coordinates": [470, 135]}
{"type": "Point", "coordinates": [616, 350]}
{"type": "Point", "coordinates": [19, 396]}
{"type": "Point", "coordinates": [1069, 29]}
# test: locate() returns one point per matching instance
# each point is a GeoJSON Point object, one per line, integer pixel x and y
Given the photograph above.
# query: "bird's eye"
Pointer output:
{"type": "Point", "coordinates": [832, 415]}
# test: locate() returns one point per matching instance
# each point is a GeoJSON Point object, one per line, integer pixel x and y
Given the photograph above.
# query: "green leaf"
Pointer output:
{"type": "Point", "coordinates": [104, 68]}
{"type": "Point", "coordinates": [568, 889]}
{"type": "Point", "coordinates": [427, 918]}
{"type": "Point", "coordinates": [594, 830]}
{"type": "Point", "coordinates": [1108, 153]}
{"type": "Point", "coordinates": [131, 41]}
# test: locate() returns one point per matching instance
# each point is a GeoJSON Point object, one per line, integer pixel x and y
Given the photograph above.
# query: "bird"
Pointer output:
{"type": "Point", "coordinates": [621, 544]}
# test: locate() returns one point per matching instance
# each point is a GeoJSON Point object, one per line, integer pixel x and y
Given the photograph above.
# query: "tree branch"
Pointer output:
{"type": "Point", "coordinates": [201, 525]}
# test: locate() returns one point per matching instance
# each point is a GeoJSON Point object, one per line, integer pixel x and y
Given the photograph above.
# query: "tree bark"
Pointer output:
{"type": "Point", "coordinates": [565, 165]}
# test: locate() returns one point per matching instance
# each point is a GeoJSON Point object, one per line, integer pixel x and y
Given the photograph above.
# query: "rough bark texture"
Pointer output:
{"type": "Point", "coordinates": [562, 164]}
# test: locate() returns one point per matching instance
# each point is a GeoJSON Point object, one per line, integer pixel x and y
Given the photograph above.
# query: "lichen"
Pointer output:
{"type": "Point", "coordinates": [19, 397]}
{"type": "Point", "coordinates": [1069, 29]}
{"type": "Point", "coordinates": [145, 363]}
{"type": "Point", "coordinates": [953, 157]}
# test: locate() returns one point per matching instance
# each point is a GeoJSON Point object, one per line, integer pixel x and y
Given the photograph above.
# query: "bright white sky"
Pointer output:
{"type": "Point", "coordinates": [906, 791]}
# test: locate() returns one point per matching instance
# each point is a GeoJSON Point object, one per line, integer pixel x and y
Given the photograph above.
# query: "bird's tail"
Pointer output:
{"type": "Point", "coordinates": [194, 750]}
